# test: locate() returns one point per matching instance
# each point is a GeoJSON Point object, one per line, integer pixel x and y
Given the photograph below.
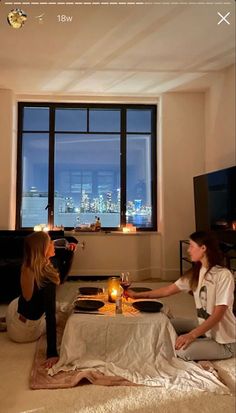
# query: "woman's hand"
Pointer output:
{"type": "Point", "coordinates": [72, 246]}
{"type": "Point", "coordinates": [50, 362]}
{"type": "Point", "coordinates": [184, 340]}
{"type": "Point", "coordinates": [129, 293]}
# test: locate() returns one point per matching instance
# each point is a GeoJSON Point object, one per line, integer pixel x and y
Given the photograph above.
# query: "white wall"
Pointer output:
{"type": "Point", "coordinates": [220, 150]}
{"type": "Point", "coordinates": [182, 153]}
{"type": "Point", "coordinates": [7, 159]}
{"type": "Point", "coordinates": [196, 134]}
{"type": "Point", "coordinates": [112, 253]}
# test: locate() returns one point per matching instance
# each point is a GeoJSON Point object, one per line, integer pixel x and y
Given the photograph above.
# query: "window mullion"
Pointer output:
{"type": "Point", "coordinates": [19, 167]}
{"type": "Point", "coordinates": [154, 168]}
{"type": "Point", "coordinates": [51, 167]}
{"type": "Point", "coordinates": [123, 168]}
{"type": "Point", "coordinates": [88, 115]}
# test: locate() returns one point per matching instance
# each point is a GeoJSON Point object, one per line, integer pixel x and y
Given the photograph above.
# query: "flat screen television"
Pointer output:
{"type": "Point", "coordinates": [215, 202]}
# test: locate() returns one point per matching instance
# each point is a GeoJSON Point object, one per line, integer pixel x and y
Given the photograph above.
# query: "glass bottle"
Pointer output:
{"type": "Point", "coordinates": [119, 301]}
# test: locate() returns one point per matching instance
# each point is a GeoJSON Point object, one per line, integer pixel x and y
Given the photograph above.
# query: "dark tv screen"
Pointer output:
{"type": "Point", "coordinates": [215, 200]}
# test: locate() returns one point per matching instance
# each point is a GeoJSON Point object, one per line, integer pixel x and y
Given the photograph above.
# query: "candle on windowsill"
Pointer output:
{"type": "Point", "coordinates": [37, 228]}
{"type": "Point", "coordinates": [126, 230]}
{"type": "Point", "coordinates": [41, 227]}
{"type": "Point", "coordinates": [129, 228]}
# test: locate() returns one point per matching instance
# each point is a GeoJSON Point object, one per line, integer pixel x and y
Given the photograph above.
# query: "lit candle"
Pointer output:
{"type": "Point", "coordinates": [37, 228]}
{"type": "Point", "coordinates": [113, 288]}
{"type": "Point", "coordinates": [113, 294]}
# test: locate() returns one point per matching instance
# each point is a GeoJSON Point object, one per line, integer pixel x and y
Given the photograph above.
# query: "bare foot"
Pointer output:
{"type": "Point", "coordinates": [209, 366]}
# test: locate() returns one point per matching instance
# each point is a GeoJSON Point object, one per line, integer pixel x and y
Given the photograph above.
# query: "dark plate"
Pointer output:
{"type": "Point", "coordinates": [148, 306]}
{"type": "Point", "coordinates": [90, 290]}
{"type": "Point", "coordinates": [88, 305]}
{"type": "Point", "coordinates": [140, 289]}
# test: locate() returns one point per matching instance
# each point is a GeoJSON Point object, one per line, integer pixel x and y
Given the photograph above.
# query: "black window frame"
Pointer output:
{"type": "Point", "coordinates": [123, 134]}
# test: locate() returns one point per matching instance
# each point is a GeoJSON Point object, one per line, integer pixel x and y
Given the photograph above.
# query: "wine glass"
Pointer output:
{"type": "Point", "coordinates": [125, 283]}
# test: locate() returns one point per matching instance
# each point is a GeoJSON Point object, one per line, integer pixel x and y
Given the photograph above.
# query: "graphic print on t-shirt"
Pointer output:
{"type": "Point", "coordinates": [219, 285]}
{"type": "Point", "coordinates": [202, 312]}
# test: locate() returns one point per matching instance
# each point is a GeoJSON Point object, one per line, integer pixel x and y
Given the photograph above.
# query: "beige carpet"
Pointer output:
{"type": "Point", "coordinates": [16, 396]}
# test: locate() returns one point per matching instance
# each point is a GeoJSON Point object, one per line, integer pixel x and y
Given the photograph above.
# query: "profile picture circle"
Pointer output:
{"type": "Point", "coordinates": [16, 18]}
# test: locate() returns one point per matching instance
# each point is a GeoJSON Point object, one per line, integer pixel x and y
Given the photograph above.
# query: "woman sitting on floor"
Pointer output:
{"type": "Point", "coordinates": [26, 314]}
{"type": "Point", "coordinates": [213, 289]}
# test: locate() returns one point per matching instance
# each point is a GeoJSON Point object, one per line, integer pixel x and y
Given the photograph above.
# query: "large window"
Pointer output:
{"type": "Point", "coordinates": [78, 161]}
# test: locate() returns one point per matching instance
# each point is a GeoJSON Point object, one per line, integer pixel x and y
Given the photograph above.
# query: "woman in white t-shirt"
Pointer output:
{"type": "Point", "coordinates": [214, 336]}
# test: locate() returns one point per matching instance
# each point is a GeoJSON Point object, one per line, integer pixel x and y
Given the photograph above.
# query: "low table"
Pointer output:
{"type": "Point", "coordinates": [132, 348]}
{"type": "Point", "coordinates": [131, 345]}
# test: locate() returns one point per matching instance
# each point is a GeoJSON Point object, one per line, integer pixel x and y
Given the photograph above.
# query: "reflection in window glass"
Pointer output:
{"type": "Point", "coordinates": [87, 179]}
{"type": "Point", "coordinates": [104, 120]}
{"type": "Point", "coordinates": [138, 120]}
{"type": "Point", "coordinates": [138, 206]}
{"type": "Point", "coordinates": [67, 120]}
{"type": "Point", "coordinates": [36, 119]}
{"type": "Point", "coordinates": [35, 179]}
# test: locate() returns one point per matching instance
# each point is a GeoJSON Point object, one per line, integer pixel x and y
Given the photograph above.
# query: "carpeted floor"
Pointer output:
{"type": "Point", "coordinates": [16, 397]}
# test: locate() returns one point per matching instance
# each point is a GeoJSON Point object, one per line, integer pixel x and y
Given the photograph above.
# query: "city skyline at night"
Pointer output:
{"type": "Point", "coordinates": [67, 210]}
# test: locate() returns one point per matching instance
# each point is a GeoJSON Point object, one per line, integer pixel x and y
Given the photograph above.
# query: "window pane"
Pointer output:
{"type": "Point", "coordinates": [36, 119]}
{"type": "Point", "coordinates": [138, 120]}
{"type": "Point", "coordinates": [139, 209]}
{"type": "Point", "coordinates": [34, 179]}
{"type": "Point", "coordinates": [74, 120]}
{"type": "Point", "coordinates": [101, 120]}
{"type": "Point", "coordinates": [87, 179]}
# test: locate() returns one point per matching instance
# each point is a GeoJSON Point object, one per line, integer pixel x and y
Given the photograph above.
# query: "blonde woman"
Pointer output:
{"type": "Point", "coordinates": [34, 311]}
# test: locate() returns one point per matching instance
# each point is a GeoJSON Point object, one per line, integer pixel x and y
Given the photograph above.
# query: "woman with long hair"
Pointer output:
{"type": "Point", "coordinates": [34, 311]}
{"type": "Point", "coordinates": [214, 336]}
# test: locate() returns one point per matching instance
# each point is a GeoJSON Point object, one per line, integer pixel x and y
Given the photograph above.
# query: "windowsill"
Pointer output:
{"type": "Point", "coordinates": [113, 233]}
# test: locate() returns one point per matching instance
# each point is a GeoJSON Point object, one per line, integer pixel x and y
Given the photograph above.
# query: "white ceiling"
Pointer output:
{"type": "Point", "coordinates": [116, 50]}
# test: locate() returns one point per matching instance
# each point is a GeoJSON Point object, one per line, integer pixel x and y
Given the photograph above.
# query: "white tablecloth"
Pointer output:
{"type": "Point", "coordinates": [139, 348]}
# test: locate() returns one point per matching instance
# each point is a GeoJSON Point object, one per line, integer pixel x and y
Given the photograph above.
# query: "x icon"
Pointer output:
{"type": "Point", "coordinates": [223, 18]}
